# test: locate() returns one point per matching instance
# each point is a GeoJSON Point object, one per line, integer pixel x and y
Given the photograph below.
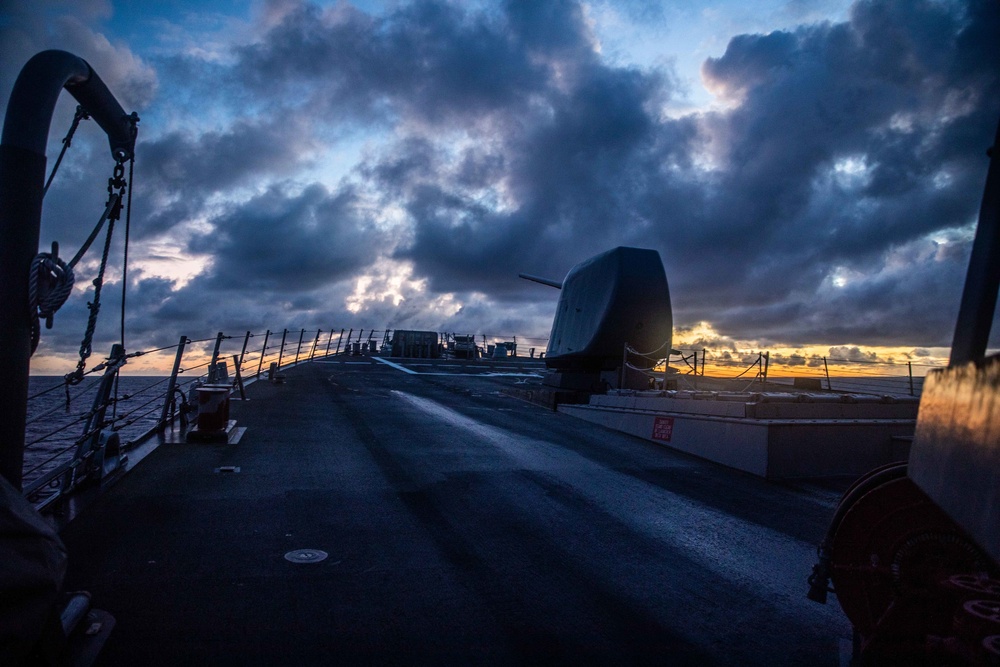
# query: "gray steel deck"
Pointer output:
{"type": "Point", "coordinates": [463, 527]}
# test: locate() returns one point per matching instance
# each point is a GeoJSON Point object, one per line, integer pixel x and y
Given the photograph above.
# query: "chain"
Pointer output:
{"type": "Point", "coordinates": [116, 182]}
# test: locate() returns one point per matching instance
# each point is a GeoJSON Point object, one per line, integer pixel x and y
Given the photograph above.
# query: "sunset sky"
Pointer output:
{"type": "Point", "coordinates": [809, 170]}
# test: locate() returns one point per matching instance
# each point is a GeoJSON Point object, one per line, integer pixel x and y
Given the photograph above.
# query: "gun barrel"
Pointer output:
{"type": "Point", "coordinates": [544, 281]}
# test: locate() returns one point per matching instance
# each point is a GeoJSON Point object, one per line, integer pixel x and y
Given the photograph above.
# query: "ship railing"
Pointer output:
{"type": "Point", "coordinates": [862, 374]}
{"type": "Point", "coordinates": [67, 443]}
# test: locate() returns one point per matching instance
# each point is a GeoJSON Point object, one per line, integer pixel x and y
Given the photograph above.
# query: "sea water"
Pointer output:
{"type": "Point", "coordinates": [54, 425]}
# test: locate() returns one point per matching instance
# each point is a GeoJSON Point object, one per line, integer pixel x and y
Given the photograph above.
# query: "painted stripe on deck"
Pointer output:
{"type": "Point", "coordinates": [398, 367]}
{"type": "Point", "coordinates": [736, 549]}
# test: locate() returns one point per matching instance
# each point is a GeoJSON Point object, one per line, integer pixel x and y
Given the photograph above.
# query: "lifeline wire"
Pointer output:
{"type": "Point", "coordinates": [128, 224]}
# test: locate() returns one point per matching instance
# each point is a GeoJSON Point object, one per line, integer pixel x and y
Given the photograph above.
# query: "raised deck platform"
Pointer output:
{"type": "Point", "coordinates": [772, 434]}
{"type": "Point", "coordinates": [462, 526]}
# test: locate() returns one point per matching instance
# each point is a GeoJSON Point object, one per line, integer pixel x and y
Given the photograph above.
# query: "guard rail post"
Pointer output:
{"type": "Point", "coordinates": [172, 382]}
{"type": "Point", "coordinates": [328, 343]}
{"type": "Point", "coordinates": [312, 355]}
{"type": "Point", "coordinates": [263, 350]}
{"type": "Point", "coordinates": [299, 348]}
{"type": "Point", "coordinates": [340, 339]}
{"type": "Point", "coordinates": [281, 352]}
{"type": "Point", "coordinates": [215, 358]}
{"type": "Point", "coordinates": [246, 340]}
{"type": "Point", "coordinates": [90, 441]}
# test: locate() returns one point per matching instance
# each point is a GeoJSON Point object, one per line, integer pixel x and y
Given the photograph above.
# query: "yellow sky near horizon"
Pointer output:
{"type": "Point", "coordinates": [722, 356]}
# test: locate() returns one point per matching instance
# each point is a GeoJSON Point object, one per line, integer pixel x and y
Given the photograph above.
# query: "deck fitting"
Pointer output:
{"type": "Point", "coordinates": [306, 556]}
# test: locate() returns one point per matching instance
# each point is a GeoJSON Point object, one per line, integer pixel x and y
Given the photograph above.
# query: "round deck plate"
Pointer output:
{"type": "Point", "coordinates": [306, 556]}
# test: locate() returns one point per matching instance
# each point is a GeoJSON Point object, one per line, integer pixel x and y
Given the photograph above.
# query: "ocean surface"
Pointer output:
{"type": "Point", "coordinates": [887, 385]}
{"type": "Point", "coordinates": [54, 426]}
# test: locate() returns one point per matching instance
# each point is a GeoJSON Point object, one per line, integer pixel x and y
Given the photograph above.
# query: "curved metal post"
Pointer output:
{"type": "Point", "coordinates": [22, 181]}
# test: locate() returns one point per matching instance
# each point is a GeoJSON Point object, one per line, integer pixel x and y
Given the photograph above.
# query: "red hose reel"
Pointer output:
{"type": "Point", "coordinates": [916, 588]}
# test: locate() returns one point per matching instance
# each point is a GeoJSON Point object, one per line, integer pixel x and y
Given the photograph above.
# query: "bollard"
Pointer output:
{"type": "Point", "coordinates": [219, 373]}
{"type": "Point", "coordinates": [213, 408]}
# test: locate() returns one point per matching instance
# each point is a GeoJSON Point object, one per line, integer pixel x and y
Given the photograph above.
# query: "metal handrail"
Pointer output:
{"type": "Point", "coordinates": [139, 405]}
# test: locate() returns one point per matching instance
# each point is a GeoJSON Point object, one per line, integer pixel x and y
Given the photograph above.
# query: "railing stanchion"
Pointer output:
{"type": "Point", "coordinates": [328, 343]}
{"type": "Point", "coordinates": [90, 441]}
{"type": "Point", "coordinates": [299, 348]}
{"type": "Point", "coordinates": [312, 355]}
{"type": "Point", "coordinates": [263, 350]}
{"type": "Point", "coordinates": [172, 382]}
{"type": "Point", "coordinates": [909, 367]}
{"type": "Point", "coordinates": [246, 339]}
{"type": "Point", "coordinates": [281, 352]}
{"type": "Point", "coordinates": [215, 358]}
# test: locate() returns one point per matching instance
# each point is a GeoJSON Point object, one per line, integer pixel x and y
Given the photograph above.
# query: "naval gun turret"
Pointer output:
{"type": "Point", "coordinates": [617, 298]}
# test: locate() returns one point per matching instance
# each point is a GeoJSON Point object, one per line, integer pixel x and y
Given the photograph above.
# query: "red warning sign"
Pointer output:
{"type": "Point", "coordinates": [663, 428]}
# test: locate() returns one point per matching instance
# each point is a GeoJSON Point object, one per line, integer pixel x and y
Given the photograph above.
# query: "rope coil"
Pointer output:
{"type": "Point", "coordinates": [50, 282]}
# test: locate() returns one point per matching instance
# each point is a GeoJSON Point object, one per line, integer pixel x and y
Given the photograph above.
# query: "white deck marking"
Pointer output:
{"type": "Point", "coordinates": [738, 550]}
{"type": "Point", "coordinates": [485, 372]}
{"type": "Point", "coordinates": [398, 367]}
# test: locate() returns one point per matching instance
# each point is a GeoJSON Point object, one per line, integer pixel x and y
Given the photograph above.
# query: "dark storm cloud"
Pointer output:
{"type": "Point", "coordinates": [847, 141]}
{"type": "Point", "coordinates": [843, 143]}
{"type": "Point", "coordinates": [573, 164]}
{"type": "Point", "coordinates": [901, 87]}
{"type": "Point", "coordinates": [77, 197]}
{"type": "Point", "coordinates": [178, 171]}
{"type": "Point", "coordinates": [282, 243]}
{"type": "Point", "coordinates": [428, 60]}
{"type": "Point", "coordinates": [29, 27]}
{"type": "Point", "coordinates": [510, 144]}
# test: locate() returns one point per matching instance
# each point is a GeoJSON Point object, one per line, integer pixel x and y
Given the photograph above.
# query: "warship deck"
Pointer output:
{"type": "Point", "coordinates": [463, 526]}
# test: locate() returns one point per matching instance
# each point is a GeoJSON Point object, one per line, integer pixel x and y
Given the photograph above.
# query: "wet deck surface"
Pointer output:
{"type": "Point", "coordinates": [462, 526]}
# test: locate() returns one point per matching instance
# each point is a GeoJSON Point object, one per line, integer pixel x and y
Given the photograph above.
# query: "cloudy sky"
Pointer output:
{"type": "Point", "coordinates": [809, 170]}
